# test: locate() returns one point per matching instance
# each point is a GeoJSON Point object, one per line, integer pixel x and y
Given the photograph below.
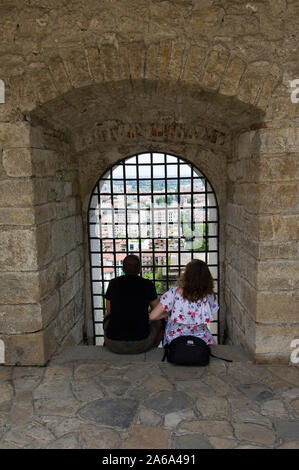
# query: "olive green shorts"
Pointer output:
{"type": "Point", "coordinates": [133, 347]}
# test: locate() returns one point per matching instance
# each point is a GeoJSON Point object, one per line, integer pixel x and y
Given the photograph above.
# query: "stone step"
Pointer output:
{"type": "Point", "coordinates": [102, 354]}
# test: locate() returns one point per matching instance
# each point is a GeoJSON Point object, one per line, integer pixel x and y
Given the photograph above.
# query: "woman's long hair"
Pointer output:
{"type": "Point", "coordinates": [196, 281]}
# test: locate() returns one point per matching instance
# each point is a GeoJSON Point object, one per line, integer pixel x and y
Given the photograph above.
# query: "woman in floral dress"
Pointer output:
{"type": "Point", "coordinates": [190, 306]}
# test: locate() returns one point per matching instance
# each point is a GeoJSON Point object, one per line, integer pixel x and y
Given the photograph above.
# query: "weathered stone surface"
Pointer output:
{"type": "Point", "coordinates": [99, 438]}
{"type": "Point", "coordinates": [171, 420]}
{"type": "Point", "coordinates": [254, 433]}
{"type": "Point", "coordinates": [149, 417]}
{"type": "Point", "coordinates": [213, 407]}
{"type": "Point", "coordinates": [119, 413]}
{"type": "Point", "coordinates": [168, 402]}
{"type": "Point", "coordinates": [147, 437]}
{"type": "Point", "coordinates": [22, 410]}
{"type": "Point", "coordinates": [289, 445]}
{"type": "Point", "coordinates": [287, 430]}
{"type": "Point", "coordinates": [208, 427]}
{"type": "Point", "coordinates": [70, 441]}
{"type": "Point", "coordinates": [86, 390]}
{"type": "Point", "coordinates": [257, 392]}
{"type": "Point", "coordinates": [274, 408]}
{"type": "Point", "coordinates": [223, 443]}
{"type": "Point", "coordinates": [191, 441]}
{"type": "Point", "coordinates": [14, 135]}
{"type": "Point", "coordinates": [17, 162]}
{"type": "Point", "coordinates": [6, 391]}
{"type": "Point", "coordinates": [33, 435]}
{"type": "Point", "coordinates": [250, 416]}
{"type": "Point", "coordinates": [114, 387]}
{"type": "Point", "coordinates": [15, 192]}
{"type": "Point", "coordinates": [157, 383]}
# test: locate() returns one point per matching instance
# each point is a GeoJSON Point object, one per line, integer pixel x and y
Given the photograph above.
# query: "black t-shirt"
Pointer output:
{"type": "Point", "coordinates": [129, 297]}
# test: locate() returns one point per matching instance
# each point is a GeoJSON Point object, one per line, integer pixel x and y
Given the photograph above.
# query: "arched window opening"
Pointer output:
{"type": "Point", "coordinates": [159, 207]}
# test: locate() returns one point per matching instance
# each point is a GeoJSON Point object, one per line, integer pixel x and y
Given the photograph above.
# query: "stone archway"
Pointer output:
{"type": "Point", "coordinates": [161, 208]}
{"type": "Point", "coordinates": [80, 112]}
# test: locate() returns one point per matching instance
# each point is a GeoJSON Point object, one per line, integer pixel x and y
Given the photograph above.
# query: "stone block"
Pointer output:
{"type": "Point", "coordinates": [50, 277]}
{"type": "Point", "coordinates": [17, 162]}
{"type": "Point", "coordinates": [266, 91]}
{"type": "Point", "coordinates": [24, 349]}
{"type": "Point", "coordinates": [278, 227]}
{"type": "Point", "coordinates": [64, 236]}
{"type": "Point", "coordinates": [74, 336]}
{"type": "Point", "coordinates": [208, 427]}
{"type": "Point", "coordinates": [20, 319]}
{"type": "Point", "coordinates": [59, 74]}
{"type": "Point", "coordinates": [19, 288]}
{"type": "Point", "coordinates": [93, 59]}
{"type": "Point", "coordinates": [17, 216]}
{"type": "Point", "coordinates": [244, 145]}
{"type": "Point", "coordinates": [136, 56]}
{"type": "Point", "coordinates": [277, 141]}
{"type": "Point", "coordinates": [73, 262]}
{"type": "Point", "coordinates": [44, 162]}
{"type": "Point", "coordinates": [43, 85]}
{"type": "Point", "coordinates": [176, 61]}
{"type": "Point", "coordinates": [16, 193]}
{"type": "Point", "coordinates": [151, 61]}
{"type": "Point", "coordinates": [13, 135]}
{"type": "Point", "coordinates": [165, 53]}
{"type": "Point", "coordinates": [70, 288]}
{"type": "Point", "coordinates": [110, 62]}
{"type": "Point", "coordinates": [275, 339]}
{"type": "Point", "coordinates": [194, 64]}
{"type": "Point", "coordinates": [254, 433]}
{"type": "Point", "coordinates": [278, 250]}
{"type": "Point", "coordinates": [76, 64]}
{"type": "Point", "coordinates": [249, 87]}
{"type": "Point", "coordinates": [277, 275]}
{"type": "Point", "coordinates": [215, 67]}
{"type": "Point", "coordinates": [147, 437]}
{"type": "Point", "coordinates": [22, 90]}
{"type": "Point", "coordinates": [49, 308]}
{"type": "Point", "coordinates": [45, 213]}
{"type": "Point", "coordinates": [230, 82]}
{"type": "Point", "coordinates": [18, 250]}
{"type": "Point", "coordinates": [284, 168]}
{"type": "Point", "coordinates": [45, 250]}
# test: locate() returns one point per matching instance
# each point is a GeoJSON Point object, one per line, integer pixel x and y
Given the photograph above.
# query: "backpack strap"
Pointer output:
{"type": "Point", "coordinates": [222, 358]}
{"type": "Point", "coordinates": [165, 353]}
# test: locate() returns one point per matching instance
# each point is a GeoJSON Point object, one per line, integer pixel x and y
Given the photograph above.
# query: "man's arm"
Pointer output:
{"type": "Point", "coordinates": [154, 303]}
{"type": "Point", "coordinates": [108, 311]}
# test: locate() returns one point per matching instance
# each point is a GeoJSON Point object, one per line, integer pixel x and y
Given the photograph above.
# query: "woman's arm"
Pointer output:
{"type": "Point", "coordinates": [158, 313]}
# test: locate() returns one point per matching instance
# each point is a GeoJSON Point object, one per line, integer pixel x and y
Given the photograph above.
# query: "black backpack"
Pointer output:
{"type": "Point", "coordinates": [189, 351]}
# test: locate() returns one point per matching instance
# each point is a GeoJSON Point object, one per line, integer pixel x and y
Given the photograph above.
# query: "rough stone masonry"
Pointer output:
{"type": "Point", "coordinates": [88, 83]}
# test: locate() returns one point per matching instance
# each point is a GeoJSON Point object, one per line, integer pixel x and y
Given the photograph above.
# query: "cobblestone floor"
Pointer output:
{"type": "Point", "coordinates": [87, 397]}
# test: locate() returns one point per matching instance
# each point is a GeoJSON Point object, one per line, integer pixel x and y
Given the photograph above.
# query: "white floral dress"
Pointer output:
{"type": "Point", "coordinates": [188, 318]}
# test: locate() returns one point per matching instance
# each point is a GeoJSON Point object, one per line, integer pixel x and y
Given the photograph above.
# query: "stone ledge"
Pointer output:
{"type": "Point", "coordinates": [100, 353]}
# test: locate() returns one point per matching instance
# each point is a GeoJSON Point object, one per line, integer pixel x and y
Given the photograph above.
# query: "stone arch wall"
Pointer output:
{"type": "Point", "coordinates": [198, 78]}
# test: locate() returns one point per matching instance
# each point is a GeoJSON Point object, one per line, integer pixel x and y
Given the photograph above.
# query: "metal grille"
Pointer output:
{"type": "Point", "coordinates": [159, 207]}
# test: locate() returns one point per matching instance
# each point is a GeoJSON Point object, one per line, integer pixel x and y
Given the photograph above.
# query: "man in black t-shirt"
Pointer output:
{"type": "Point", "coordinates": [127, 328]}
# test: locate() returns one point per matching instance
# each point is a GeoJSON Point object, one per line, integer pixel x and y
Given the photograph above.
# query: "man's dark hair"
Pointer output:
{"type": "Point", "coordinates": [131, 264]}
